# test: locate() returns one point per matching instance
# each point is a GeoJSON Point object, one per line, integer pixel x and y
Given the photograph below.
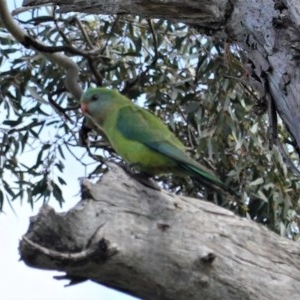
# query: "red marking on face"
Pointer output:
{"type": "Point", "coordinates": [84, 108]}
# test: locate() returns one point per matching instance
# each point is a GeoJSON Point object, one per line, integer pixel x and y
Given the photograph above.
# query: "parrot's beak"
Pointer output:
{"type": "Point", "coordinates": [84, 107]}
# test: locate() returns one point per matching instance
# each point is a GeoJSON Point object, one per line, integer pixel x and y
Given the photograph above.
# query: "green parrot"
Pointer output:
{"type": "Point", "coordinates": [141, 138]}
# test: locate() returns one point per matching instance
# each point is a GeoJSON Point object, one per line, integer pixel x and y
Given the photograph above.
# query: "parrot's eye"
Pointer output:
{"type": "Point", "coordinates": [94, 98]}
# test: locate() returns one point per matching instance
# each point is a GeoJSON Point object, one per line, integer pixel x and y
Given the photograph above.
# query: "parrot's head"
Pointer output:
{"type": "Point", "coordinates": [90, 100]}
{"type": "Point", "coordinates": [98, 102]}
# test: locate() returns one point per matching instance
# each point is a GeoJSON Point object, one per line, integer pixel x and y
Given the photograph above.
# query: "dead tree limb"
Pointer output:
{"type": "Point", "coordinates": [155, 245]}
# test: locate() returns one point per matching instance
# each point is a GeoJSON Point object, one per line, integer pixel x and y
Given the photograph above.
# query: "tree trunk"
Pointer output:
{"type": "Point", "coordinates": [155, 245]}
{"type": "Point", "coordinates": [267, 30]}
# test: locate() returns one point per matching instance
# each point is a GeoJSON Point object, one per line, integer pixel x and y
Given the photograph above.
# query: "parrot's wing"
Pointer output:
{"type": "Point", "coordinates": [141, 126]}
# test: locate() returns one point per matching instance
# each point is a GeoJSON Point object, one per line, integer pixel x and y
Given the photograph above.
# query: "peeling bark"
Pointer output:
{"type": "Point", "coordinates": [208, 13]}
{"type": "Point", "coordinates": [155, 245]}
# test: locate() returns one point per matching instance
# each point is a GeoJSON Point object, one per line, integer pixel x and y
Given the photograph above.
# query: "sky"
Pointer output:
{"type": "Point", "coordinates": [21, 282]}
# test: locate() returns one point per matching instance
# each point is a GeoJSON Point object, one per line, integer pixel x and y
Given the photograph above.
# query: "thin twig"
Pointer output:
{"type": "Point", "coordinates": [131, 83]}
{"type": "Point", "coordinates": [58, 108]}
{"type": "Point", "coordinates": [84, 33]}
{"type": "Point", "coordinates": [70, 67]}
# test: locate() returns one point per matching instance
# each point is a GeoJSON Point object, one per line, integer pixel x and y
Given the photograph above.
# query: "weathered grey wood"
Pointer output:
{"type": "Point", "coordinates": [156, 245]}
{"type": "Point", "coordinates": [268, 30]}
{"type": "Point", "coordinates": [194, 12]}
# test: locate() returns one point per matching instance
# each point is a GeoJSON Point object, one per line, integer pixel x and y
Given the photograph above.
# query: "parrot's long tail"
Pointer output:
{"type": "Point", "coordinates": [205, 177]}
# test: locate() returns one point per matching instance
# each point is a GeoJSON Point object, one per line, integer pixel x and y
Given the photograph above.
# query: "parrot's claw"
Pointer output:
{"type": "Point", "coordinates": [83, 134]}
{"type": "Point", "coordinates": [141, 177]}
{"type": "Point", "coordinates": [73, 279]}
{"type": "Point", "coordinates": [147, 181]}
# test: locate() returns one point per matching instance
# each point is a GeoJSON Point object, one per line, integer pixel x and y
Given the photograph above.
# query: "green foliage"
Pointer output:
{"type": "Point", "coordinates": [192, 82]}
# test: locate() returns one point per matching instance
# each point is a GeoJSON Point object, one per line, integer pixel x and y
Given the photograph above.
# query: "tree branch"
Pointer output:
{"type": "Point", "coordinates": [156, 245]}
{"type": "Point", "coordinates": [71, 69]}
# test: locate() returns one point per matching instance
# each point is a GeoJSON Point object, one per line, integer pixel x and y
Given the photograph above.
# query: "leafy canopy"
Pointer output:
{"type": "Point", "coordinates": [194, 83]}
